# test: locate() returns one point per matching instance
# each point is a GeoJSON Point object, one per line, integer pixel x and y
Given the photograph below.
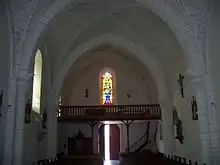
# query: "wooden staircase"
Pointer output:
{"type": "Point", "coordinates": [143, 141]}
{"type": "Point", "coordinates": [108, 113]}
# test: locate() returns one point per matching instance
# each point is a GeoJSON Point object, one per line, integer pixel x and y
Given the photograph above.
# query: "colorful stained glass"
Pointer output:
{"type": "Point", "coordinates": [107, 90]}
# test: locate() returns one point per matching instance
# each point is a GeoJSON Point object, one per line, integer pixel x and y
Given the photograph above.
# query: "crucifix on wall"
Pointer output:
{"type": "Point", "coordinates": [180, 82]}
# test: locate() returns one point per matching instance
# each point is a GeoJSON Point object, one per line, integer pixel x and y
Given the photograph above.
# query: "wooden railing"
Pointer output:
{"type": "Point", "coordinates": [176, 160]}
{"type": "Point", "coordinates": [51, 161]}
{"type": "Point", "coordinates": [114, 112]}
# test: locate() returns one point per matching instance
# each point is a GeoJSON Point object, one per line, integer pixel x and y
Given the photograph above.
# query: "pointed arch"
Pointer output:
{"type": "Point", "coordinates": [36, 95]}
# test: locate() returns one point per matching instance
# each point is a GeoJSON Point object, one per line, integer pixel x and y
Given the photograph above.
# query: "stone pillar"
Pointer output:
{"type": "Point", "coordinates": [18, 151]}
{"type": "Point", "coordinates": [202, 89]}
{"type": "Point", "coordinates": [52, 129]}
{"type": "Point", "coordinates": [167, 120]}
{"type": "Point", "coordinates": [9, 134]}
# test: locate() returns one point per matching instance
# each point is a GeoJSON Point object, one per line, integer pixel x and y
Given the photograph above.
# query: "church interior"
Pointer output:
{"type": "Point", "coordinates": [114, 82]}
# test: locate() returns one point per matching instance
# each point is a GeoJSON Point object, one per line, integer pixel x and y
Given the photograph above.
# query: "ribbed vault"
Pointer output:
{"type": "Point", "coordinates": [127, 19]}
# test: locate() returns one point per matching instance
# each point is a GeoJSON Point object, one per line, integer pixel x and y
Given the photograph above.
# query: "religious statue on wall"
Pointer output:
{"type": "Point", "coordinates": [179, 131]}
{"type": "Point", "coordinates": [174, 116]}
{"type": "Point", "coordinates": [177, 124]}
{"type": "Point", "coordinates": [180, 82]}
{"type": "Point", "coordinates": [194, 108]}
{"type": "Point", "coordinates": [44, 119]}
{"type": "Point", "coordinates": [1, 101]}
{"type": "Point", "coordinates": [28, 109]}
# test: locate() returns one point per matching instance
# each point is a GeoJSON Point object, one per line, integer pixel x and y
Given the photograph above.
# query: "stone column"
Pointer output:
{"type": "Point", "coordinates": [18, 151]}
{"type": "Point", "coordinates": [214, 131]}
{"type": "Point", "coordinates": [167, 120]}
{"type": "Point", "coordinates": [202, 89]}
{"type": "Point", "coordinates": [9, 134]}
{"type": "Point", "coordinates": [52, 128]}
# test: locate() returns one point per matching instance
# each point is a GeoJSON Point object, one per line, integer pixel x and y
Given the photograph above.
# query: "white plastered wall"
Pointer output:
{"type": "Point", "coordinates": [129, 80]}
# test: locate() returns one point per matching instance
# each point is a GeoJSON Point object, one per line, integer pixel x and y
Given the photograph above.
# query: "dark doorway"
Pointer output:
{"type": "Point", "coordinates": [114, 142]}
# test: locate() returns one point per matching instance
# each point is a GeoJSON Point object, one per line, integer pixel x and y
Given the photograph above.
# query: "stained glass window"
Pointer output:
{"type": "Point", "coordinates": [107, 90]}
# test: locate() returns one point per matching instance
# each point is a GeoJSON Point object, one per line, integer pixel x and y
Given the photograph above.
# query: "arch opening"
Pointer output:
{"type": "Point", "coordinates": [36, 95]}
{"type": "Point", "coordinates": [160, 83]}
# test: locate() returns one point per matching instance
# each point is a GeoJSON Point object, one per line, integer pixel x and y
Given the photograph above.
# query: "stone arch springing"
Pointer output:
{"type": "Point", "coordinates": [36, 95]}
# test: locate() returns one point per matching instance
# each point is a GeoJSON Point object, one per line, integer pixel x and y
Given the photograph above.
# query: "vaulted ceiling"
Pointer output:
{"type": "Point", "coordinates": [125, 18]}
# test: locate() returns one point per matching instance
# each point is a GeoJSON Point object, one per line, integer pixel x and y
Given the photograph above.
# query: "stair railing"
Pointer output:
{"type": "Point", "coordinates": [141, 140]}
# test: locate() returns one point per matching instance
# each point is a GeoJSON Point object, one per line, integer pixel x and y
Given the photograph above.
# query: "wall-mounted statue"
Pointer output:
{"type": "Point", "coordinates": [175, 117]}
{"type": "Point", "coordinates": [194, 108]}
{"type": "Point", "coordinates": [177, 124]}
{"type": "Point", "coordinates": [28, 109]}
{"type": "Point", "coordinates": [44, 119]}
{"type": "Point", "coordinates": [179, 131]}
{"type": "Point", "coordinates": [180, 82]}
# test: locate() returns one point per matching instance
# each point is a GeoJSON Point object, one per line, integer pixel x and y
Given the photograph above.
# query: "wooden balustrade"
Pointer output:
{"type": "Point", "coordinates": [51, 161]}
{"type": "Point", "coordinates": [176, 160]}
{"type": "Point", "coordinates": [113, 112]}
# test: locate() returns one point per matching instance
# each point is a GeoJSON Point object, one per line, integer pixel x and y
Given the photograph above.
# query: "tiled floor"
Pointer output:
{"type": "Point", "coordinates": [112, 162]}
